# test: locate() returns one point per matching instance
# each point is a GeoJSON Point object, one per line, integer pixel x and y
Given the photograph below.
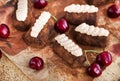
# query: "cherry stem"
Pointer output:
{"type": "Point", "coordinates": [88, 62]}
{"type": "Point", "coordinates": [86, 51]}
{"type": "Point", "coordinates": [54, 17]}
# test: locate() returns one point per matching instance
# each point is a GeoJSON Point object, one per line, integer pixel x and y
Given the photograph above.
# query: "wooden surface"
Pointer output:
{"type": "Point", "coordinates": [55, 69]}
{"type": "Point", "coordinates": [15, 68]}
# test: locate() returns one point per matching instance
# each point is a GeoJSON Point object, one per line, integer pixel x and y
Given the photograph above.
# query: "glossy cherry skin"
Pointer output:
{"type": "Point", "coordinates": [0, 54]}
{"type": "Point", "coordinates": [62, 25]}
{"type": "Point", "coordinates": [39, 4]}
{"type": "Point", "coordinates": [4, 31]}
{"type": "Point", "coordinates": [36, 63]}
{"type": "Point", "coordinates": [94, 70]}
{"type": "Point", "coordinates": [113, 11]}
{"type": "Point", "coordinates": [104, 59]}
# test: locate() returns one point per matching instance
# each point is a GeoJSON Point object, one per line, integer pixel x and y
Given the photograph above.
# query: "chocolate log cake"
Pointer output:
{"type": "Point", "coordinates": [70, 52]}
{"type": "Point", "coordinates": [77, 14]}
{"type": "Point", "coordinates": [90, 35]}
{"type": "Point", "coordinates": [23, 18]}
{"type": "Point", "coordinates": [40, 34]}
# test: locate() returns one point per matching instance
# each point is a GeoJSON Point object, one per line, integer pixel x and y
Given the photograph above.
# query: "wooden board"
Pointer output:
{"type": "Point", "coordinates": [10, 72]}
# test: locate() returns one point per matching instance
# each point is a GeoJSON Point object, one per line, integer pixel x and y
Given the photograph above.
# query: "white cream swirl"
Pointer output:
{"type": "Point", "coordinates": [40, 23]}
{"type": "Point", "coordinates": [76, 8]}
{"type": "Point", "coordinates": [22, 10]}
{"type": "Point", "coordinates": [69, 45]}
{"type": "Point", "coordinates": [91, 30]}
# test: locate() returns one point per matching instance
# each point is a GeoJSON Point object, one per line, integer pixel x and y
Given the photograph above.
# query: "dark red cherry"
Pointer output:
{"type": "Point", "coordinates": [36, 63]}
{"type": "Point", "coordinates": [104, 59]}
{"type": "Point", "coordinates": [39, 4]}
{"type": "Point", "coordinates": [113, 11]}
{"type": "Point", "coordinates": [0, 54]}
{"type": "Point", "coordinates": [62, 25]}
{"type": "Point", "coordinates": [94, 70]}
{"type": "Point", "coordinates": [4, 31]}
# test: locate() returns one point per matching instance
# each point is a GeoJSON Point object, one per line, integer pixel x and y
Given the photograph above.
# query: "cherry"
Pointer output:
{"type": "Point", "coordinates": [104, 59]}
{"type": "Point", "coordinates": [113, 11]}
{"type": "Point", "coordinates": [39, 4]}
{"type": "Point", "coordinates": [36, 63]}
{"type": "Point", "coordinates": [62, 25]}
{"type": "Point", "coordinates": [0, 54]}
{"type": "Point", "coordinates": [4, 31]}
{"type": "Point", "coordinates": [94, 70]}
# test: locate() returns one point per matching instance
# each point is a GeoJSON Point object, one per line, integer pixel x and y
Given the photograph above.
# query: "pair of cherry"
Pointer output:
{"type": "Point", "coordinates": [103, 59]}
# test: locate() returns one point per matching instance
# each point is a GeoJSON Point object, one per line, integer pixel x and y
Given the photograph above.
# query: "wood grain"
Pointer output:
{"type": "Point", "coordinates": [10, 72]}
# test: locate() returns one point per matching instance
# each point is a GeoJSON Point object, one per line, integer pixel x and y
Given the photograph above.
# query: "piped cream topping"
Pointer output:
{"type": "Point", "coordinates": [91, 30]}
{"type": "Point", "coordinates": [22, 10]}
{"type": "Point", "coordinates": [40, 23]}
{"type": "Point", "coordinates": [69, 45]}
{"type": "Point", "coordinates": [76, 8]}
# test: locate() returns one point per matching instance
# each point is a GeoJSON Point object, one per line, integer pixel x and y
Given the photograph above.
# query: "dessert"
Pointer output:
{"type": "Point", "coordinates": [41, 32]}
{"type": "Point", "coordinates": [90, 35]}
{"type": "Point", "coordinates": [23, 17]}
{"type": "Point", "coordinates": [77, 14]}
{"type": "Point", "coordinates": [67, 49]}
